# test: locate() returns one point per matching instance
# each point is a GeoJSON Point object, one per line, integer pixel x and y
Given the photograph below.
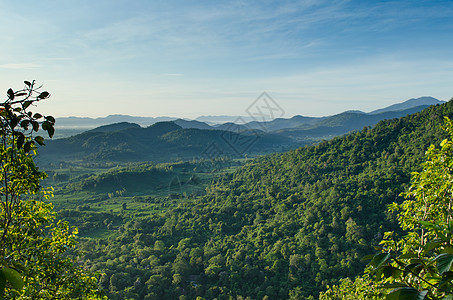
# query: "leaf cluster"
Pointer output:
{"type": "Point", "coordinates": [34, 259]}
{"type": "Point", "coordinates": [18, 121]}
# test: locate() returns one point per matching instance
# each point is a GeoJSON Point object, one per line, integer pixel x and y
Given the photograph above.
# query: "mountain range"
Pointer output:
{"type": "Point", "coordinates": [221, 122]}
{"type": "Point", "coordinates": [191, 139]}
{"type": "Point", "coordinates": [160, 142]}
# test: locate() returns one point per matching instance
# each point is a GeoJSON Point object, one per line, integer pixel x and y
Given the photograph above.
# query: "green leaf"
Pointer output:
{"type": "Point", "coordinates": [406, 293]}
{"type": "Point", "coordinates": [444, 262]}
{"type": "Point", "coordinates": [427, 224]}
{"type": "Point", "coordinates": [51, 131]}
{"type": "Point", "coordinates": [28, 83]}
{"type": "Point", "coordinates": [35, 125]}
{"type": "Point", "coordinates": [10, 94]}
{"type": "Point", "coordinates": [434, 244]}
{"type": "Point", "coordinates": [50, 119]}
{"type": "Point", "coordinates": [393, 285]}
{"type": "Point", "coordinates": [43, 95]}
{"type": "Point", "coordinates": [27, 146]}
{"type": "Point", "coordinates": [368, 257]}
{"type": "Point", "coordinates": [20, 94]}
{"type": "Point", "coordinates": [448, 250]}
{"type": "Point", "coordinates": [407, 255]}
{"type": "Point", "coordinates": [37, 116]}
{"type": "Point", "coordinates": [380, 259]}
{"type": "Point", "coordinates": [415, 267]}
{"type": "Point", "coordinates": [13, 277]}
{"type": "Point", "coordinates": [26, 104]}
{"type": "Point", "coordinates": [447, 278]}
{"type": "Point", "coordinates": [24, 124]}
{"type": "Point", "coordinates": [20, 140]}
{"type": "Point", "coordinates": [40, 140]}
{"type": "Point", "coordinates": [13, 122]}
{"type": "Point", "coordinates": [46, 125]}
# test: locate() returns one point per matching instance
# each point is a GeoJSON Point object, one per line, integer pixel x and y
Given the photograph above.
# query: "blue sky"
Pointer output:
{"type": "Point", "coordinates": [191, 58]}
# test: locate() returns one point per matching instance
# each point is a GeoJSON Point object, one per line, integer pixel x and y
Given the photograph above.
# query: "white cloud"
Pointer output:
{"type": "Point", "coordinates": [23, 66]}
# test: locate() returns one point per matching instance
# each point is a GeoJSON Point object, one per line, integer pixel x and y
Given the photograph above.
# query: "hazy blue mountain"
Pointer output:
{"type": "Point", "coordinates": [297, 127]}
{"type": "Point", "coordinates": [192, 124]}
{"type": "Point", "coordinates": [281, 123]}
{"type": "Point", "coordinates": [230, 126]}
{"type": "Point", "coordinates": [352, 119]}
{"type": "Point", "coordinates": [115, 127]}
{"type": "Point", "coordinates": [414, 102]}
{"type": "Point", "coordinates": [82, 122]}
{"type": "Point", "coordinates": [343, 123]}
{"type": "Point", "coordinates": [203, 122]}
{"type": "Point", "coordinates": [223, 119]}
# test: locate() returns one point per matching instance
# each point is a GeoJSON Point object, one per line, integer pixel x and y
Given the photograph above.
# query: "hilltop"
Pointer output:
{"type": "Point", "coordinates": [160, 142]}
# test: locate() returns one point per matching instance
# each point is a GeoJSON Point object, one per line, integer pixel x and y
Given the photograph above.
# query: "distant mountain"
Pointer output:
{"type": "Point", "coordinates": [115, 127]}
{"type": "Point", "coordinates": [192, 124]}
{"type": "Point", "coordinates": [160, 142]}
{"type": "Point", "coordinates": [230, 126]}
{"type": "Point", "coordinates": [296, 127]}
{"type": "Point", "coordinates": [223, 119]}
{"type": "Point", "coordinates": [79, 122]}
{"type": "Point", "coordinates": [343, 123]}
{"type": "Point", "coordinates": [281, 123]}
{"type": "Point", "coordinates": [414, 102]}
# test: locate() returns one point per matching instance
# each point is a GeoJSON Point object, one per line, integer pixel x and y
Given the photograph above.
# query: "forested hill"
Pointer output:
{"type": "Point", "coordinates": [160, 142]}
{"type": "Point", "coordinates": [283, 226]}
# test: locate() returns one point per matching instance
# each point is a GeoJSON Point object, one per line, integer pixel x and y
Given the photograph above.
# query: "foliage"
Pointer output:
{"type": "Point", "coordinates": [362, 288]}
{"type": "Point", "coordinates": [33, 248]}
{"type": "Point", "coordinates": [418, 264]}
{"type": "Point", "coordinates": [282, 226]}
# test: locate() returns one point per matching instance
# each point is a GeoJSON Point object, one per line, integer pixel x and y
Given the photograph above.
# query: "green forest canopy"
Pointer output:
{"type": "Point", "coordinates": [282, 226]}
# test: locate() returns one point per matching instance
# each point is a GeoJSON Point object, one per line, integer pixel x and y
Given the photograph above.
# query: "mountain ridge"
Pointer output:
{"type": "Point", "coordinates": [276, 124]}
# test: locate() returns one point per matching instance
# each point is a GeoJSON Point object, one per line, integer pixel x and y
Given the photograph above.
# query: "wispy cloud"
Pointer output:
{"type": "Point", "coordinates": [242, 30]}
{"type": "Point", "coordinates": [23, 66]}
{"type": "Point", "coordinates": [174, 74]}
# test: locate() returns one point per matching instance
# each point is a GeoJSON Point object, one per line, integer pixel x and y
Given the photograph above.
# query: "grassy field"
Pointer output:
{"type": "Point", "coordinates": [98, 199]}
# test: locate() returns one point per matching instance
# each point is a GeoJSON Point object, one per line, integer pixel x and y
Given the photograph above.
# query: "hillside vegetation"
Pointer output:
{"type": "Point", "coordinates": [161, 142]}
{"type": "Point", "coordinates": [282, 226]}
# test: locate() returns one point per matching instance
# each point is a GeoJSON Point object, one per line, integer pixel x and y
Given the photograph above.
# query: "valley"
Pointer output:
{"type": "Point", "coordinates": [282, 225]}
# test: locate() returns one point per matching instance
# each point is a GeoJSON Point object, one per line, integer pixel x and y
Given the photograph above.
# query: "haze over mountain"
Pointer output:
{"type": "Point", "coordinates": [83, 122]}
{"type": "Point", "coordinates": [212, 120]}
{"type": "Point", "coordinates": [414, 102]}
{"type": "Point", "coordinates": [343, 123]}
{"type": "Point", "coordinates": [216, 122]}
{"type": "Point", "coordinates": [183, 139]}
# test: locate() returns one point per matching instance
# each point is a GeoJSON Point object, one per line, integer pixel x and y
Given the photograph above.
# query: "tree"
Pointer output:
{"type": "Point", "coordinates": [418, 264]}
{"type": "Point", "coordinates": [34, 247]}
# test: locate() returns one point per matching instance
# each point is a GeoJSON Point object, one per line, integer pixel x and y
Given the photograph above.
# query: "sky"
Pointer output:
{"type": "Point", "coordinates": [191, 58]}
